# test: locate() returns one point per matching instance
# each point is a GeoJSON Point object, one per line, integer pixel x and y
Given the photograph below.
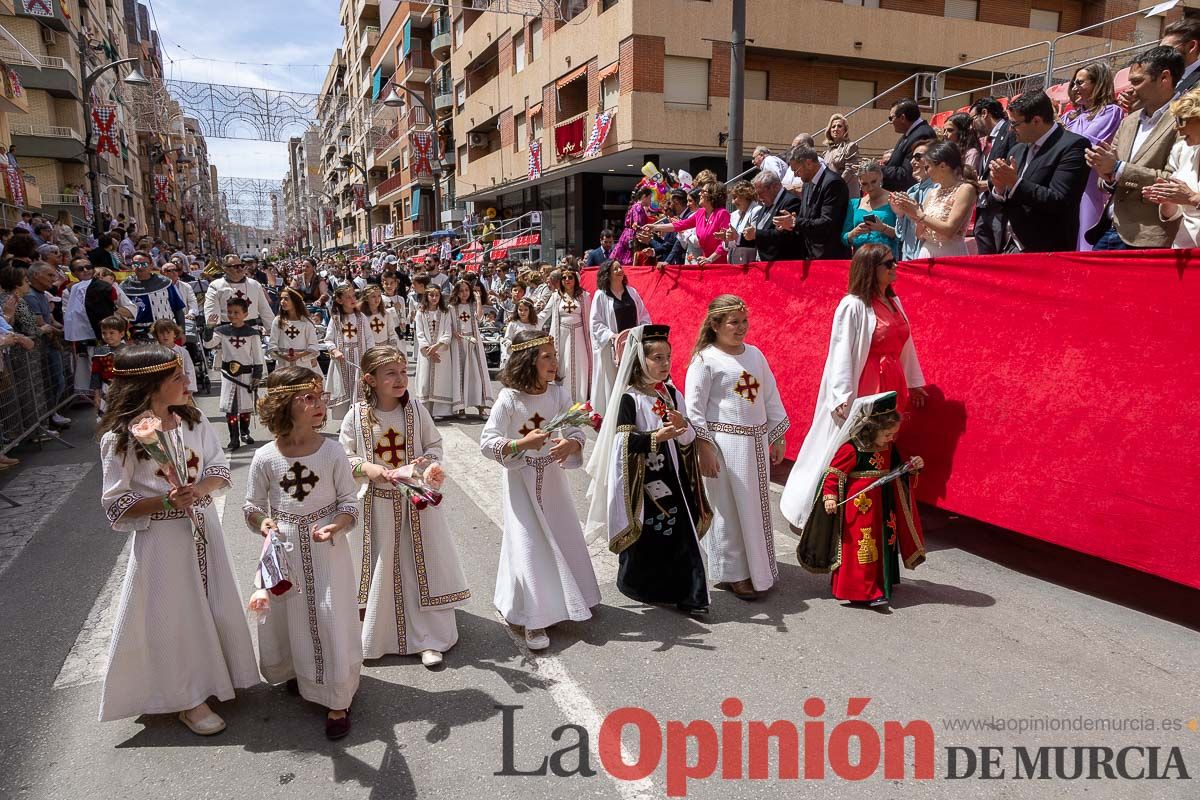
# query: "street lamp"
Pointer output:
{"type": "Point", "coordinates": [348, 162]}
{"type": "Point", "coordinates": [397, 101]}
{"type": "Point", "coordinates": [133, 78]}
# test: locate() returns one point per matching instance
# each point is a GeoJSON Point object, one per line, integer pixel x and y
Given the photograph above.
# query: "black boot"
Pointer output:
{"type": "Point", "coordinates": [245, 420]}
{"type": "Point", "coordinates": [234, 443]}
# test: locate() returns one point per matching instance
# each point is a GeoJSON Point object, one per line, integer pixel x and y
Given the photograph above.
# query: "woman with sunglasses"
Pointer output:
{"type": "Point", "coordinates": [870, 351]}
{"type": "Point", "coordinates": [1097, 116]}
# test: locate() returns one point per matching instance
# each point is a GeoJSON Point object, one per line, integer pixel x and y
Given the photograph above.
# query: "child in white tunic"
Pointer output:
{"type": "Point", "coordinates": [738, 414]}
{"type": "Point", "coordinates": [381, 319]}
{"type": "Point", "coordinates": [435, 372]}
{"type": "Point", "coordinates": [167, 333]}
{"type": "Point", "coordinates": [300, 485]}
{"type": "Point", "coordinates": [348, 336]}
{"type": "Point", "coordinates": [239, 359]}
{"type": "Point", "coordinates": [472, 383]}
{"type": "Point", "coordinates": [181, 635]}
{"type": "Point", "coordinates": [410, 577]}
{"type": "Point", "coordinates": [525, 318]}
{"type": "Point", "coordinates": [567, 316]}
{"type": "Point", "coordinates": [294, 340]}
{"type": "Point", "coordinates": [545, 573]}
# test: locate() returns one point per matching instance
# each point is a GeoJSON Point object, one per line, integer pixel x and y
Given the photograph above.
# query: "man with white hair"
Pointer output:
{"type": "Point", "coordinates": [773, 244]}
{"type": "Point", "coordinates": [769, 163]}
{"type": "Point", "coordinates": [791, 181]}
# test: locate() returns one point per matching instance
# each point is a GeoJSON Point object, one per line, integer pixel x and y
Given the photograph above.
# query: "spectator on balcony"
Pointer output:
{"type": "Point", "coordinates": [26, 223]}
{"type": "Point", "coordinates": [790, 180]}
{"type": "Point", "coordinates": [43, 233]}
{"type": "Point", "coordinates": [772, 242]}
{"type": "Point", "coordinates": [1096, 116]}
{"type": "Point", "coordinates": [943, 217]}
{"type": "Point", "coordinates": [1184, 36]}
{"type": "Point", "coordinates": [602, 253]}
{"type": "Point", "coordinates": [960, 129]}
{"type": "Point", "coordinates": [870, 219]}
{"type": "Point", "coordinates": [667, 249]}
{"type": "Point", "coordinates": [1138, 157]}
{"type": "Point", "coordinates": [905, 117]}
{"type": "Point", "coordinates": [841, 153]}
{"type": "Point", "coordinates": [1178, 196]}
{"type": "Point", "coordinates": [64, 231]}
{"type": "Point", "coordinates": [744, 198]}
{"type": "Point", "coordinates": [637, 217]}
{"type": "Point", "coordinates": [21, 251]}
{"type": "Point", "coordinates": [906, 227]}
{"type": "Point", "coordinates": [708, 221]}
{"type": "Point", "coordinates": [766, 162]}
{"type": "Point", "coordinates": [818, 221]}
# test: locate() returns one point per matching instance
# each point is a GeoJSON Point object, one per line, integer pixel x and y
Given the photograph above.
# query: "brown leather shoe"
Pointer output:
{"type": "Point", "coordinates": [743, 590]}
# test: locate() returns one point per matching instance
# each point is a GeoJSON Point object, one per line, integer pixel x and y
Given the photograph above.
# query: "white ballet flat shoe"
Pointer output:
{"type": "Point", "coordinates": [205, 726]}
{"type": "Point", "coordinates": [536, 639]}
{"type": "Point", "coordinates": [431, 658]}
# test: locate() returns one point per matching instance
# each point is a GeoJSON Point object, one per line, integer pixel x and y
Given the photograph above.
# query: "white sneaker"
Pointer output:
{"type": "Point", "coordinates": [536, 638]}
{"type": "Point", "coordinates": [431, 658]}
{"type": "Point", "coordinates": [59, 419]}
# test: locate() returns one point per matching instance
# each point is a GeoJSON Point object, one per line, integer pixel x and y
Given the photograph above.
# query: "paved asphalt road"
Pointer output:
{"type": "Point", "coordinates": [992, 626]}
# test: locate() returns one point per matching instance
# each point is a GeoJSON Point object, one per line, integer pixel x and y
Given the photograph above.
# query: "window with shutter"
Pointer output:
{"type": "Point", "coordinates": [962, 9]}
{"type": "Point", "coordinates": [610, 91]}
{"type": "Point", "coordinates": [685, 80]}
{"type": "Point", "coordinates": [535, 40]}
{"type": "Point", "coordinates": [519, 52]}
{"type": "Point", "coordinates": [756, 84]}
{"type": "Point", "coordinates": [1041, 19]}
{"type": "Point", "coordinates": [854, 93]}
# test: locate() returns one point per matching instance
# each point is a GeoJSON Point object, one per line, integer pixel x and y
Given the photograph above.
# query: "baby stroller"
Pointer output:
{"type": "Point", "coordinates": [193, 332]}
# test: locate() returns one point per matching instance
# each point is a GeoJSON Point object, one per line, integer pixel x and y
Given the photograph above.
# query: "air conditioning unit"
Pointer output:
{"type": "Point", "coordinates": [477, 139]}
{"type": "Point", "coordinates": [49, 36]}
{"type": "Point", "coordinates": [930, 86]}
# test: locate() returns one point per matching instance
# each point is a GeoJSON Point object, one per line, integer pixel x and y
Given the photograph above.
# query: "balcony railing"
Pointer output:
{"type": "Point", "coordinates": [60, 199]}
{"type": "Point", "coordinates": [441, 25]}
{"type": "Point", "coordinates": [12, 57]}
{"type": "Point", "coordinates": [390, 185]}
{"type": "Point", "coordinates": [418, 59]}
{"type": "Point", "coordinates": [49, 131]}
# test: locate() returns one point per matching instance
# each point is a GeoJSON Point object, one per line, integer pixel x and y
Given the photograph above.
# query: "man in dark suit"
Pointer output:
{"type": "Point", "coordinates": [773, 244]}
{"type": "Point", "coordinates": [998, 139]}
{"type": "Point", "coordinates": [905, 117]}
{"type": "Point", "coordinates": [818, 221]}
{"type": "Point", "coordinates": [1041, 184]}
{"type": "Point", "coordinates": [597, 257]}
{"type": "Point", "coordinates": [1184, 36]}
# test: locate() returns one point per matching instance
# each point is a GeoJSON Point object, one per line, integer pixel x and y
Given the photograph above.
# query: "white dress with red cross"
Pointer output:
{"type": "Point", "coordinates": [472, 384]}
{"type": "Point", "coordinates": [545, 573]}
{"type": "Point", "coordinates": [351, 334]}
{"type": "Point", "coordinates": [383, 327]}
{"type": "Point", "coordinates": [410, 578]}
{"type": "Point", "coordinates": [434, 382]}
{"type": "Point", "coordinates": [733, 402]}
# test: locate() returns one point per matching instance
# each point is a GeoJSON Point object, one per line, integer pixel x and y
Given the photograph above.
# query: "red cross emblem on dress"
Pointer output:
{"type": "Point", "coordinates": [390, 448]}
{"type": "Point", "coordinates": [377, 325]}
{"type": "Point", "coordinates": [569, 306]}
{"type": "Point", "coordinates": [533, 424]}
{"type": "Point", "coordinates": [349, 331]}
{"type": "Point", "coordinates": [747, 386]}
{"type": "Point", "coordinates": [237, 342]}
{"type": "Point", "coordinates": [299, 481]}
{"type": "Point", "coordinates": [240, 295]}
{"type": "Point", "coordinates": [659, 409]}
{"type": "Point", "coordinates": [193, 467]}
{"type": "Point", "coordinates": [464, 316]}
{"type": "Point", "coordinates": [878, 461]}
{"type": "Point", "coordinates": [292, 331]}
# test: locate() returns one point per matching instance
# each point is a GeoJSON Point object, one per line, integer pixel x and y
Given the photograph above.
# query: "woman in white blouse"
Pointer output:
{"type": "Point", "coordinates": [1179, 195]}
{"type": "Point", "coordinates": [745, 210]}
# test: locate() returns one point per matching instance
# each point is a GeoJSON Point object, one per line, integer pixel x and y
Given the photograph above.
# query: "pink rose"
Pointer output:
{"type": "Point", "coordinates": [145, 429]}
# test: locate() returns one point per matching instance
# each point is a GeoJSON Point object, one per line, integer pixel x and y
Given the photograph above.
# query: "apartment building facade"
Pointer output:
{"type": "Point", "coordinates": [48, 141]}
{"type": "Point", "coordinates": [661, 68]}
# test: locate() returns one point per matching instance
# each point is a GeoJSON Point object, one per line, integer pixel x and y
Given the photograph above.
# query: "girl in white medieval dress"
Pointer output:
{"type": "Point", "coordinates": [525, 318]}
{"type": "Point", "coordinates": [180, 636]}
{"type": "Point", "coordinates": [294, 340]}
{"type": "Point", "coordinates": [435, 373]}
{"type": "Point", "coordinates": [545, 573]}
{"type": "Point", "coordinates": [567, 315]}
{"type": "Point", "coordinates": [381, 319]}
{"type": "Point", "coordinates": [472, 383]}
{"type": "Point", "coordinates": [348, 336]}
{"type": "Point", "coordinates": [300, 486]}
{"type": "Point", "coordinates": [739, 418]}
{"type": "Point", "coordinates": [410, 577]}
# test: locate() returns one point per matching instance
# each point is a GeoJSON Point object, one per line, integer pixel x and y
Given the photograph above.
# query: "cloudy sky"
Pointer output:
{"type": "Point", "coordinates": [228, 41]}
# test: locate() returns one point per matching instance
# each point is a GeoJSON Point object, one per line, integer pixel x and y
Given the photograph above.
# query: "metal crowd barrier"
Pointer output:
{"type": "Point", "coordinates": [27, 396]}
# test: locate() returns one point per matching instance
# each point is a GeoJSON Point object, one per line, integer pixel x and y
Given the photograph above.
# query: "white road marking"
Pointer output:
{"type": "Point", "coordinates": [88, 658]}
{"type": "Point", "coordinates": [480, 477]}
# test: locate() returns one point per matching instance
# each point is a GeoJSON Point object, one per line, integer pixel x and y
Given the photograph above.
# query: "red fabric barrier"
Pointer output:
{"type": "Point", "coordinates": [1062, 387]}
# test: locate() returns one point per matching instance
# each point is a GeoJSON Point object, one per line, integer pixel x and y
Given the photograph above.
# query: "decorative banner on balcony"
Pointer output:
{"type": "Point", "coordinates": [160, 188]}
{"type": "Point", "coordinates": [535, 160]}
{"type": "Point", "coordinates": [86, 202]}
{"type": "Point", "coordinates": [38, 8]}
{"type": "Point", "coordinates": [104, 118]}
{"type": "Point", "coordinates": [599, 133]}
{"type": "Point", "coordinates": [568, 138]}
{"type": "Point", "coordinates": [329, 217]}
{"type": "Point", "coordinates": [14, 83]}
{"type": "Point", "coordinates": [422, 153]}
{"type": "Point", "coordinates": [14, 183]}
{"type": "Point", "coordinates": [360, 195]}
